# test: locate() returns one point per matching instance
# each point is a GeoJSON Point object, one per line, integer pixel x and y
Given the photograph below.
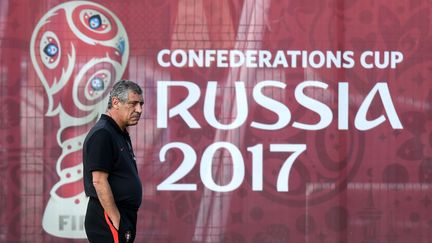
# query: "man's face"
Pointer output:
{"type": "Point", "coordinates": [130, 111]}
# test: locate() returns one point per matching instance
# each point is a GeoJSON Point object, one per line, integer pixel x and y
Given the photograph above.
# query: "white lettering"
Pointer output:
{"type": "Point", "coordinates": [283, 113]}
{"type": "Point", "coordinates": [361, 121]}
{"type": "Point", "coordinates": [321, 109]}
{"type": "Point", "coordinates": [181, 109]}
{"type": "Point", "coordinates": [241, 106]}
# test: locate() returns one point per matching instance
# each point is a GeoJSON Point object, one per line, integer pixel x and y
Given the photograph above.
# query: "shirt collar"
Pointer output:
{"type": "Point", "coordinates": [114, 124]}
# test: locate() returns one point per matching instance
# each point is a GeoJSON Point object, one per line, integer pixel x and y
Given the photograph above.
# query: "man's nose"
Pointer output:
{"type": "Point", "coordinates": [139, 108]}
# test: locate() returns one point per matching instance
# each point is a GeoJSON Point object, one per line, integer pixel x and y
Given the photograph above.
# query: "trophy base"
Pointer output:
{"type": "Point", "coordinates": [64, 217]}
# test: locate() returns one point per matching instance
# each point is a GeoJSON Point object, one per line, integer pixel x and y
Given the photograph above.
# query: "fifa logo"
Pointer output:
{"type": "Point", "coordinates": [78, 50]}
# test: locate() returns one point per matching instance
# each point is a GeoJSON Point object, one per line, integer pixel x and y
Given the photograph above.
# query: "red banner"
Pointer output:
{"type": "Point", "coordinates": [264, 121]}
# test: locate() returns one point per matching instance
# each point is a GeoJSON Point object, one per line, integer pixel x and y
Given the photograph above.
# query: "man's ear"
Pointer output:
{"type": "Point", "coordinates": [115, 103]}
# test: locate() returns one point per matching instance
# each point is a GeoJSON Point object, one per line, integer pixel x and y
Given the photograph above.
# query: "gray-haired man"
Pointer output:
{"type": "Point", "coordinates": [110, 173]}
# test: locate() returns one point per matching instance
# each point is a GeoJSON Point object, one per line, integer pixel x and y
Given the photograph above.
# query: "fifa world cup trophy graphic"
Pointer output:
{"type": "Point", "coordinates": [78, 49]}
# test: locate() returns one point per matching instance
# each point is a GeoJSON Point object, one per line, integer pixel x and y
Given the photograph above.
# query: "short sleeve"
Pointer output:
{"type": "Point", "coordinates": [100, 155]}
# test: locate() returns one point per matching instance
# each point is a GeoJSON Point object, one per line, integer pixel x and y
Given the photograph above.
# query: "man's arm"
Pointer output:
{"type": "Point", "coordinates": [105, 195]}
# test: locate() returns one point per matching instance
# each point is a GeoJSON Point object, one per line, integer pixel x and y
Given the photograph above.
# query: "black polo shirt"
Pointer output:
{"type": "Point", "coordinates": [107, 148]}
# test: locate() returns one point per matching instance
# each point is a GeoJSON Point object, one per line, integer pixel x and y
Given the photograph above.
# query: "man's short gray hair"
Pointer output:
{"type": "Point", "coordinates": [121, 89]}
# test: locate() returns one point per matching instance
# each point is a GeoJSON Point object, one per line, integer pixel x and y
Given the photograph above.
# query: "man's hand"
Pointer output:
{"type": "Point", "coordinates": [105, 196]}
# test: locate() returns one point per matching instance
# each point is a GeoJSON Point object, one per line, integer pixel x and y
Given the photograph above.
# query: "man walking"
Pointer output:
{"type": "Point", "coordinates": [110, 173]}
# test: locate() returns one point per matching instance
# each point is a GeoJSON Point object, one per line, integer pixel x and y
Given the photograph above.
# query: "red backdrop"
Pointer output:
{"type": "Point", "coordinates": [347, 185]}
